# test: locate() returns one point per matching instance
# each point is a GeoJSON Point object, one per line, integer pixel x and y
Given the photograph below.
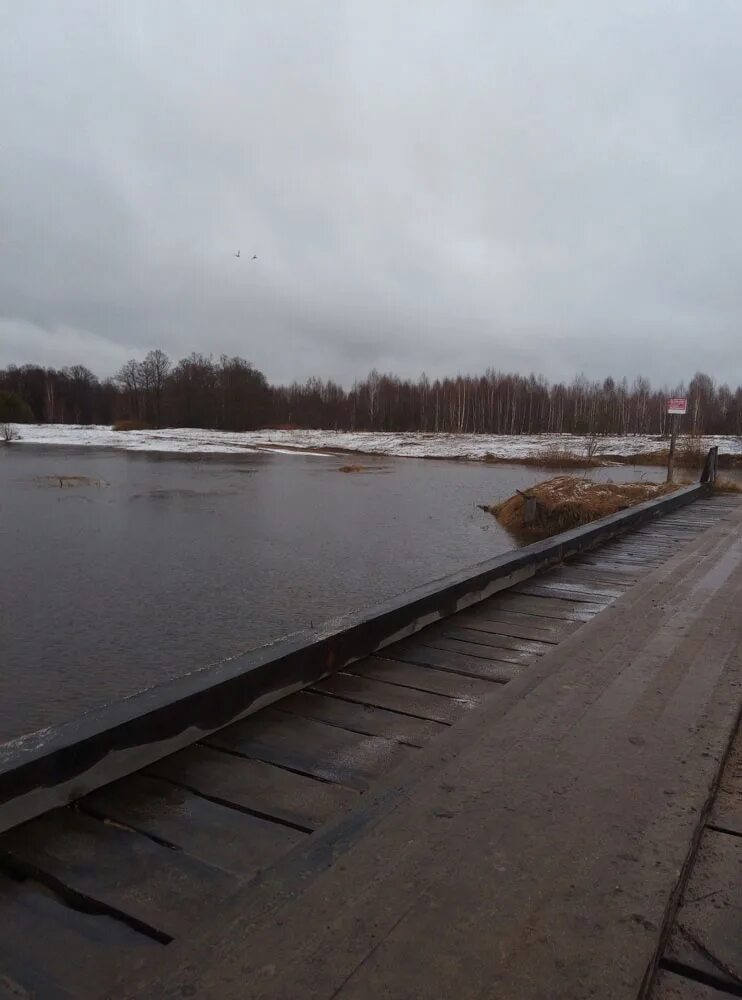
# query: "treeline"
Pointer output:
{"type": "Point", "coordinates": [231, 394]}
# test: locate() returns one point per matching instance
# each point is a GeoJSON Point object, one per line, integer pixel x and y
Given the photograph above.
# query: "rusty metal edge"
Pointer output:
{"type": "Point", "coordinates": [55, 766]}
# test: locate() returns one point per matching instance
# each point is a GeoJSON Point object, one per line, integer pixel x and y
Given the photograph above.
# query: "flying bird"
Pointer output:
{"type": "Point", "coordinates": [237, 254]}
{"type": "Point", "coordinates": [254, 256]}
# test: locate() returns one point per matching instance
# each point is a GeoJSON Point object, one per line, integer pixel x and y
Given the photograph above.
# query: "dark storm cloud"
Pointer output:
{"type": "Point", "coordinates": [437, 186]}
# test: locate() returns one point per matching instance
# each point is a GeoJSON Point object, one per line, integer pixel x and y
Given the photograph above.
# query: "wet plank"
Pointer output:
{"type": "Point", "coordinates": [51, 950]}
{"type": "Point", "coordinates": [706, 934]}
{"type": "Point", "coordinates": [516, 625]}
{"type": "Point", "coordinates": [475, 649]}
{"type": "Point", "coordinates": [591, 562]}
{"type": "Point", "coordinates": [544, 607]}
{"type": "Point", "coordinates": [221, 836]}
{"type": "Point", "coordinates": [453, 630]}
{"type": "Point", "coordinates": [670, 986]}
{"type": "Point", "coordinates": [632, 569]}
{"type": "Point", "coordinates": [162, 888]}
{"type": "Point", "coordinates": [663, 533]}
{"type": "Point", "coordinates": [457, 663]}
{"type": "Point", "coordinates": [380, 694]}
{"type": "Point", "coordinates": [727, 808]}
{"type": "Point", "coordinates": [601, 597]}
{"type": "Point", "coordinates": [424, 678]}
{"type": "Point", "coordinates": [312, 748]}
{"type": "Point", "coordinates": [649, 548]}
{"type": "Point", "coordinates": [590, 576]}
{"type": "Point", "coordinates": [256, 786]}
{"type": "Point", "coordinates": [644, 564]}
{"type": "Point", "coordinates": [361, 718]}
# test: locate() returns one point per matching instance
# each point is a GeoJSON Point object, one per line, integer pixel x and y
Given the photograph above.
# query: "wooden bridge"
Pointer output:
{"type": "Point", "coordinates": [502, 785]}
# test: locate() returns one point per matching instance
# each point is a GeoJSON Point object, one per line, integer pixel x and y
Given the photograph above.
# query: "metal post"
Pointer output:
{"type": "Point", "coordinates": [671, 454]}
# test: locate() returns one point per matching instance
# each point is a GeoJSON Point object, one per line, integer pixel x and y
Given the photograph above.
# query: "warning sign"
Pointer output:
{"type": "Point", "coordinates": [677, 405]}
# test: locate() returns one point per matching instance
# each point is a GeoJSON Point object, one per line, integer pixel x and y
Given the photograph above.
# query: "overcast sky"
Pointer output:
{"type": "Point", "coordinates": [442, 186]}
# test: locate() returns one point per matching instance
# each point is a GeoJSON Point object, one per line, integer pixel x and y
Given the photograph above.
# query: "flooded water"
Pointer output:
{"type": "Point", "coordinates": [146, 566]}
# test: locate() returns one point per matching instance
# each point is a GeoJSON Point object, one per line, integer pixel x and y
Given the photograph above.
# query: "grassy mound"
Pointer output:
{"type": "Point", "coordinates": [553, 458]}
{"type": "Point", "coordinates": [567, 502]}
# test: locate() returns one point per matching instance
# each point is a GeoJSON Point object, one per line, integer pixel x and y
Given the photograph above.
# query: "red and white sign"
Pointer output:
{"type": "Point", "coordinates": [677, 405]}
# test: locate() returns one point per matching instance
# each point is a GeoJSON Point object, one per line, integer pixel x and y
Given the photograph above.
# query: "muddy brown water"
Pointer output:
{"type": "Point", "coordinates": [122, 569]}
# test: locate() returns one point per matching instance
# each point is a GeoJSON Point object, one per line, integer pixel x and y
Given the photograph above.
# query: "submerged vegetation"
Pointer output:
{"type": "Point", "coordinates": [65, 482]}
{"type": "Point", "coordinates": [567, 502]}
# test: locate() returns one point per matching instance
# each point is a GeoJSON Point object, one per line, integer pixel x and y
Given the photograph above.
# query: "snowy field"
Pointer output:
{"type": "Point", "coordinates": [462, 446]}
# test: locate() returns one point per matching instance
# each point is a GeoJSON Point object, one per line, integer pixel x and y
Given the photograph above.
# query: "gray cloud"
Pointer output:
{"type": "Point", "coordinates": [437, 186]}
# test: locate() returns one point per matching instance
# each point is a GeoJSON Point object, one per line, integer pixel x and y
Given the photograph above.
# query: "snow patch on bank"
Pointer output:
{"type": "Point", "coordinates": [310, 442]}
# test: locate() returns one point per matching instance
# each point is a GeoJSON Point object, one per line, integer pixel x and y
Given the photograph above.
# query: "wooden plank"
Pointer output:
{"type": "Point", "coordinates": [669, 524]}
{"type": "Point", "coordinates": [473, 649]}
{"type": "Point", "coordinates": [593, 592]}
{"type": "Point", "coordinates": [634, 569]}
{"type": "Point", "coordinates": [457, 663]}
{"type": "Point", "coordinates": [670, 986]}
{"type": "Point", "coordinates": [517, 625]}
{"type": "Point", "coordinates": [599, 602]}
{"type": "Point", "coordinates": [664, 532]}
{"type": "Point", "coordinates": [706, 934]}
{"type": "Point", "coordinates": [634, 541]}
{"type": "Point", "coordinates": [693, 520]}
{"type": "Point", "coordinates": [590, 575]}
{"type": "Point", "coordinates": [361, 718]}
{"type": "Point", "coordinates": [162, 888]}
{"type": "Point", "coordinates": [612, 569]}
{"type": "Point", "coordinates": [226, 838]}
{"type": "Point", "coordinates": [643, 566]}
{"type": "Point", "coordinates": [379, 694]}
{"type": "Point", "coordinates": [488, 638]}
{"type": "Point", "coordinates": [619, 558]}
{"type": "Point", "coordinates": [651, 547]}
{"type": "Point", "coordinates": [727, 809]}
{"type": "Point", "coordinates": [424, 678]}
{"type": "Point", "coordinates": [578, 573]}
{"type": "Point", "coordinates": [545, 607]}
{"type": "Point", "coordinates": [312, 748]}
{"type": "Point", "coordinates": [51, 950]}
{"type": "Point", "coordinates": [256, 786]}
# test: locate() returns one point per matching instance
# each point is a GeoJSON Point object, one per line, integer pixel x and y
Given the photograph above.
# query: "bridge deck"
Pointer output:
{"type": "Point", "coordinates": [207, 843]}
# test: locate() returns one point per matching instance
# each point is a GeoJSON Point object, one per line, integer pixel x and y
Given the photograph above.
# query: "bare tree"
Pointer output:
{"type": "Point", "coordinates": [153, 375]}
{"type": "Point", "coordinates": [130, 378]}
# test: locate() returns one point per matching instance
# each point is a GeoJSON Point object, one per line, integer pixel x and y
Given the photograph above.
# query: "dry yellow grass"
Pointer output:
{"type": "Point", "coordinates": [552, 458]}
{"type": "Point", "coordinates": [727, 486]}
{"type": "Point", "coordinates": [567, 502]}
